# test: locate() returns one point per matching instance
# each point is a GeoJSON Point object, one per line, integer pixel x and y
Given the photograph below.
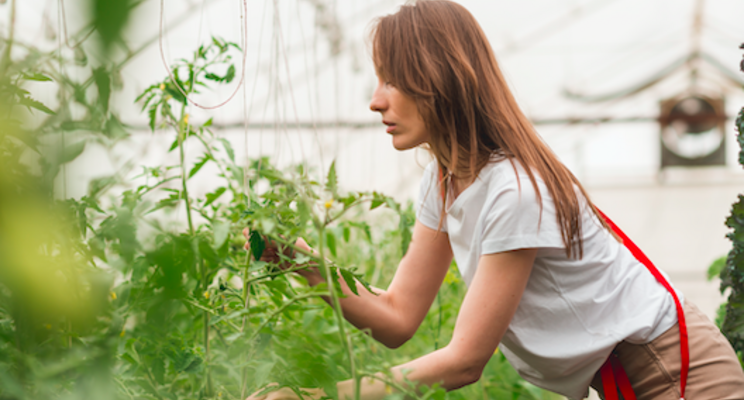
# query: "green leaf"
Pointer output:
{"type": "Point", "coordinates": [158, 370]}
{"type": "Point", "coordinates": [346, 234]}
{"type": "Point", "coordinates": [71, 152]}
{"type": "Point", "coordinates": [109, 18]}
{"type": "Point", "coordinates": [152, 113]}
{"type": "Point", "coordinates": [716, 267]}
{"type": "Point", "coordinates": [377, 200]}
{"type": "Point", "coordinates": [213, 77]}
{"type": "Point", "coordinates": [208, 123]}
{"type": "Point", "coordinates": [114, 129]}
{"type": "Point", "coordinates": [173, 145]}
{"type": "Point", "coordinates": [103, 83]}
{"type": "Point", "coordinates": [404, 226]}
{"type": "Point", "coordinates": [331, 182]}
{"type": "Point", "coordinates": [221, 231]}
{"type": "Point", "coordinates": [31, 103]}
{"type": "Point", "coordinates": [331, 242]}
{"type": "Point", "coordinates": [199, 164]}
{"type": "Point", "coordinates": [35, 76]}
{"type": "Point", "coordinates": [230, 75]}
{"type": "Point", "coordinates": [228, 148]}
{"type": "Point", "coordinates": [211, 197]}
{"type": "Point", "coordinates": [349, 279]}
{"type": "Point", "coordinates": [258, 244]}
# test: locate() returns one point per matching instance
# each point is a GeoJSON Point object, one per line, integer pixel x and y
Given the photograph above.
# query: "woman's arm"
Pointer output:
{"type": "Point", "coordinates": [486, 311]}
{"type": "Point", "coordinates": [394, 315]}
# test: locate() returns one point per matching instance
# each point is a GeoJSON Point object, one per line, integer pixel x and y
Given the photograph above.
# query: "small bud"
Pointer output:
{"type": "Point", "coordinates": [206, 295]}
{"type": "Point", "coordinates": [123, 332]}
{"type": "Point", "coordinates": [329, 204]}
{"type": "Point", "coordinates": [113, 296]}
{"type": "Point", "coordinates": [162, 86]}
{"type": "Point", "coordinates": [186, 119]}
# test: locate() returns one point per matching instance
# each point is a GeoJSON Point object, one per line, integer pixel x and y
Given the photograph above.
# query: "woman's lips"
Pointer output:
{"type": "Point", "coordinates": [390, 126]}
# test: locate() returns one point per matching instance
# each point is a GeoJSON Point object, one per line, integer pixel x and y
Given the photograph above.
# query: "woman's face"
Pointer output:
{"type": "Point", "coordinates": [400, 114]}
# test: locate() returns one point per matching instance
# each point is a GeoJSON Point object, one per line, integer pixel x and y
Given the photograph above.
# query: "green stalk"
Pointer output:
{"type": "Point", "coordinates": [183, 131]}
{"type": "Point", "coordinates": [338, 312]}
{"type": "Point", "coordinates": [246, 292]}
{"type": "Point", "coordinates": [11, 37]}
{"type": "Point", "coordinates": [246, 287]}
{"type": "Point", "coordinates": [182, 134]}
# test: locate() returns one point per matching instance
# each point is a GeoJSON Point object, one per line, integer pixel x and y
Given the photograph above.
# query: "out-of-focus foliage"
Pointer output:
{"type": "Point", "coordinates": [732, 273]}
{"type": "Point", "coordinates": [110, 18]}
{"type": "Point", "coordinates": [139, 290]}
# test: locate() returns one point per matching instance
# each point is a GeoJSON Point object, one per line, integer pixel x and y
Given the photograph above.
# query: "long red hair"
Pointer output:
{"type": "Point", "coordinates": [436, 52]}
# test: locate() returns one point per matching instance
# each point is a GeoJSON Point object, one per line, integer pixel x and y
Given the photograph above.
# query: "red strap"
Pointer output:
{"type": "Point", "coordinates": [608, 381]}
{"type": "Point", "coordinates": [683, 341]}
{"type": "Point", "coordinates": [622, 379]}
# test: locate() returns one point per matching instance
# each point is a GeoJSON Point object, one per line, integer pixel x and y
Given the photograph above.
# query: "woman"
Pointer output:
{"type": "Point", "coordinates": [549, 281]}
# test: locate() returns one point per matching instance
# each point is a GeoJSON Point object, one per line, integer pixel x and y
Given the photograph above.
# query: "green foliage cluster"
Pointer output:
{"type": "Point", "coordinates": [732, 276]}
{"type": "Point", "coordinates": [143, 291]}
{"type": "Point", "coordinates": [731, 268]}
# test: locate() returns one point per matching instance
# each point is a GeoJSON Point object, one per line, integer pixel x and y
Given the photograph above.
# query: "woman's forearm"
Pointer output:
{"type": "Point", "coordinates": [393, 315]}
{"type": "Point", "coordinates": [373, 312]}
{"type": "Point", "coordinates": [442, 366]}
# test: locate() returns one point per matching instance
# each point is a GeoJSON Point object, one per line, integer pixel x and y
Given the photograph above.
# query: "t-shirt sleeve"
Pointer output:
{"type": "Point", "coordinates": [513, 218]}
{"type": "Point", "coordinates": [429, 206]}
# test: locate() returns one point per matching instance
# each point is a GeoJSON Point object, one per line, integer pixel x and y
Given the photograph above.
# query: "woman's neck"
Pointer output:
{"type": "Point", "coordinates": [458, 185]}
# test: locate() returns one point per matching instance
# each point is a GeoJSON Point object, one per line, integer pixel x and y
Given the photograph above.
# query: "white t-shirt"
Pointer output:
{"type": "Point", "coordinates": [573, 312]}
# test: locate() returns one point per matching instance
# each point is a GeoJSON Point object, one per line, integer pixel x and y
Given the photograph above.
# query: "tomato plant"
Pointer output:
{"type": "Point", "coordinates": [139, 290]}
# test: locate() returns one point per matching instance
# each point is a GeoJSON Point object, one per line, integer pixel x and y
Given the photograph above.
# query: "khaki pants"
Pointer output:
{"type": "Point", "coordinates": [653, 368]}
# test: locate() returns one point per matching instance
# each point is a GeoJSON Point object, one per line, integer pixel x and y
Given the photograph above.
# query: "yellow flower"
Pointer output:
{"type": "Point", "coordinates": [123, 332]}
{"type": "Point", "coordinates": [113, 296]}
{"type": "Point", "coordinates": [329, 204]}
{"type": "Point", "coordinates": [186, 119]}
{"type": "Point", "coordinates": [162, 86]}
{"type": "Point", "coordinates": [206, 295]}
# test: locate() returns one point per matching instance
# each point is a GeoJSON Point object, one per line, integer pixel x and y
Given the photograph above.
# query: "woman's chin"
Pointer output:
{"type": "Point", "coordinates": [401, 145]}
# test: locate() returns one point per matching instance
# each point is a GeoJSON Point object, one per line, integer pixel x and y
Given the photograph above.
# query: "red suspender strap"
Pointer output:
{"type": "Point", "coordinates": [608, 381]}
{"type": "Point", "coordinates": [613, 363]}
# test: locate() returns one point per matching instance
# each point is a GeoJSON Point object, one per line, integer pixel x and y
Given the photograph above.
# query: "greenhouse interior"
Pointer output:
{"type": "Point", "coordinates": [198, 197]}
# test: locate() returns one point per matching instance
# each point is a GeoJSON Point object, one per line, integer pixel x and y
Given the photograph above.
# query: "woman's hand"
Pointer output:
{"type": "Point", "coordinates": [288, 394]}
{"type": "Point", "coordinates": [275, 254]}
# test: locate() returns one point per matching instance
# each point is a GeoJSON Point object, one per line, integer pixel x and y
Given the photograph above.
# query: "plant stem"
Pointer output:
{"type": "Point", "coordinates": [11, 36]}
{"type": "Point", "coordinates": [183, 134]}
{"type": "Point", "coordinates": [246, 292]}
{"type": "Point", "coordinates": [284, 307]}
{"type": "Point", "coordinates": [246, 287]}
{"type": "Point", "coordinates": [339, 313]}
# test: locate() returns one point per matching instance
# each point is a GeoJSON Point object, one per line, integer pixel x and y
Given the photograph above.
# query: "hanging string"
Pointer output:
{"type": "Point", "coordinates": [63, 17]}
{"type": "Point", "coordinates": [289, 78]}
{"type": "Point", "coordinates": [246, 116]}
{"type": "Point", "coordinates": [244, 40]}
{"type": "Point", "coordinates": [309, 92]}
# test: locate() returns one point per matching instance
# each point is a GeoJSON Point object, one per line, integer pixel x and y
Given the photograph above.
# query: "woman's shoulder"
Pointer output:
{"type": "Point", "coordinates": [506, 172]}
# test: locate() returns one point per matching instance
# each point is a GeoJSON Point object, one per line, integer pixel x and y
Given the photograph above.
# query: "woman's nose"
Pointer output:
{"type": "Point", "coordinates": [378, 102]}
